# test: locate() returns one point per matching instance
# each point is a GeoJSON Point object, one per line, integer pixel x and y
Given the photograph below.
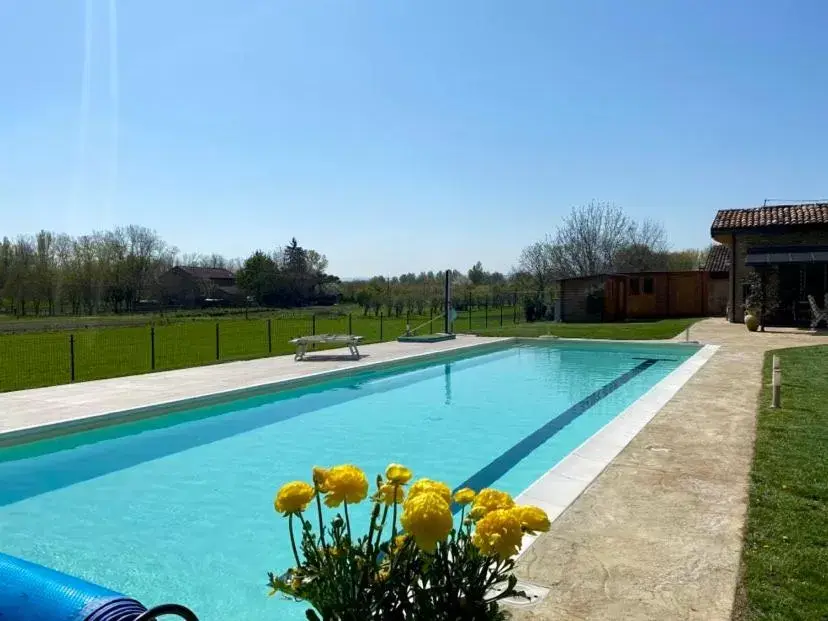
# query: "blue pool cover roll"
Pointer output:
{"type": "Point", "coordinates": [31, 592]}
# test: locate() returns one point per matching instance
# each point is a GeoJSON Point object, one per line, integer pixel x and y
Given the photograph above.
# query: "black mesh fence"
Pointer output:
{"type": "Point", "coordinates": [36, 359]}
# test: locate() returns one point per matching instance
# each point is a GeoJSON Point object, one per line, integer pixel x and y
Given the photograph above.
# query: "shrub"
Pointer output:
{"type": "Point", "coordinates": [430, 569]}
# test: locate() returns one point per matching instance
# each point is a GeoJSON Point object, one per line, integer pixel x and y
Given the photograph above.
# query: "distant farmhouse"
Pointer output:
{"type": "Point", "coordinates": [195, 287]}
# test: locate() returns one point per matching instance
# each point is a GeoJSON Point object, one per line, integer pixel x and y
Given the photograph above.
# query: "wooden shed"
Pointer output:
{"type": "Point", "coordinates": [645, 295]}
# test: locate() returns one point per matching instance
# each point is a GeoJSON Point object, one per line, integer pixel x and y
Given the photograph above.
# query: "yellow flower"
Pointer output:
{"type": "Point", "coordinates": [387, 494]}
{"type": "Point", "coordinates": [532, 519]}
{"type": "Point", "coordinates": [397, 473]}
{"type": "Point", "coordinates": [435, 487]}
{"type": "Point", "coordinates": [319, 475]}
{"type": "Point", "coordinates": [489, 500]}
{"type": "Point", "coordinates": [399, 542]}
{"type": "Point", "coordinates": [464, 496]}
{"type": "Point", "coordinates": [293, 497]}
{"type": "Point", "coordinates": [346, 483]}
{"type": "Point", "coordinates": [498, 533]}
{"type": "Point", "coordinates": [427, 518]}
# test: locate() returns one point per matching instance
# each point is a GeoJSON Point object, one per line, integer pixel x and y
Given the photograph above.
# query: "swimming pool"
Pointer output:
{"type": "Point", "coordinates": [179, 507]}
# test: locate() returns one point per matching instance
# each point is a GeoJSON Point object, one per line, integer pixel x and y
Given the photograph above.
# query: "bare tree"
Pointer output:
{"type": "Point", "coordinates": [597, 238]}
{"type": "Point", "coordinates": [589, 238]}
{"type": "Point", "coordinates": [43, 272]}
{"type": "Point", "coordinates": [644, 251]}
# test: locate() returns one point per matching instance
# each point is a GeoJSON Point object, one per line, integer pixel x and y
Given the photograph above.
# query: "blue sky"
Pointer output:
{"type": "Point", "coordinates": [399, 135]}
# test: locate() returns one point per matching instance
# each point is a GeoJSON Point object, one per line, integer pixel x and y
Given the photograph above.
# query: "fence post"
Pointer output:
{"type": "Point", "coordinates": [350, 324]}
{"type": "Point", "coordinates": [514, 309]}
{"type": "Point", "coordinates": [218, 351]}
{"type": "Point", "coordinates": [380, 327]}
{"type": "Point", "coordinates": [469, 305]}
{"type": "Point", "coordinates": [501, 313]}
{"type": "Point", "coordinates": [431, 321]}
{"type": "Point", "coordinates": [152, 348]}
{"type": "Point", "coordinates": [486, 314]}
{"type": "Point", "coordinates": [72, 357]}
{"type": "Point", "coordinates": [313, 324]}
{"type": "Point", "coordinates": [269, 338]}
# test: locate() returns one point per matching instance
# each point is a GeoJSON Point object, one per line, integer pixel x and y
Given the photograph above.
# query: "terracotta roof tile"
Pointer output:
{"type": "Point", "coordinates": [718, 259]}
{"type": "Point", "coordinates": [779, 215]}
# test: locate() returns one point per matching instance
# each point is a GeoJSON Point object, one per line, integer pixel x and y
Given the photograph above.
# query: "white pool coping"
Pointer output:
{"type": "Point", "coordinates": [561, 485]}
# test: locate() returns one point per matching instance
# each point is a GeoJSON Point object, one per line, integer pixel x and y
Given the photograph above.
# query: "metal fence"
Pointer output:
{"type": "Point", "coordinates": [36, 359]}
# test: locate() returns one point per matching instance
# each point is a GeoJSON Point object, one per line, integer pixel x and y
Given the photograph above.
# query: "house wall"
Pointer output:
{"type": "Point", "coordinates": [739, 271]}
{"type": "Point", "coordinates": [718, 293]}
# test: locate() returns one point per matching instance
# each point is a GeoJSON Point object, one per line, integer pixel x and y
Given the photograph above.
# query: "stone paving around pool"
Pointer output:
{"type": "Point", "coordinates": [658, 535]}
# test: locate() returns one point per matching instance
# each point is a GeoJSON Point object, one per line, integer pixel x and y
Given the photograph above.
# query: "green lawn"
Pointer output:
{"type": "Point", "coordinates": [785, 560]}
{"type": "Point", "coordinates": [43, 358]}
{"type": "Point", "coordinates": [663, 329]}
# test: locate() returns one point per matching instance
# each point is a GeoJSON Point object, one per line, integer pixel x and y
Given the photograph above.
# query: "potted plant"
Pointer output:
{"type": "Point", "coordinates": [415, 561]}
{"type": "Point", "coordinates": [761, 299]}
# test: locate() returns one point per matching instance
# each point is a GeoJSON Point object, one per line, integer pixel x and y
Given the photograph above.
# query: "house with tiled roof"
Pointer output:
{"type": "Point", "coordinates": [788, 241]}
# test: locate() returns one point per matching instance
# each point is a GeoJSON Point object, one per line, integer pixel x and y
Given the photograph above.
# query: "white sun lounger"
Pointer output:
{"type": "Point", "coordinates": [302, 343]}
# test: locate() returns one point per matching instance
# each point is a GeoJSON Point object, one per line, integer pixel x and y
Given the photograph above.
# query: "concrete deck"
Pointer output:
{"type": "Point", "coordinates": [41, 411]}
{"type": "Point", "coordinates": [658, 535]}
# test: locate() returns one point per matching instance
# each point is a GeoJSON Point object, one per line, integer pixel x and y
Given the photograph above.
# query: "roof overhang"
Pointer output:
{"type": "Point", "coordinates": [781, 255]}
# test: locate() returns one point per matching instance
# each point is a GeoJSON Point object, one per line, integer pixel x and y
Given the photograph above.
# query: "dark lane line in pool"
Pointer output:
{"type": "Point", "coordinates": [490, 473]}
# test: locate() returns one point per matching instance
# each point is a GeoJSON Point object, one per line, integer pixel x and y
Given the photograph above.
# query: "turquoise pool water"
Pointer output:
{"type": "Point", "coordinates": [179, 508]}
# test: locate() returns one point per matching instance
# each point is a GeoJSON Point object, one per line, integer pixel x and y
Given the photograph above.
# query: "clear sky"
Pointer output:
{"type": "Point", "coordinates": [400, 135]}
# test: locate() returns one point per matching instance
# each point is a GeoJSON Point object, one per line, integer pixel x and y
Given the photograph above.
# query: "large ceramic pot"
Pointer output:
{"type": "Point", "coordinates": [752, 322]}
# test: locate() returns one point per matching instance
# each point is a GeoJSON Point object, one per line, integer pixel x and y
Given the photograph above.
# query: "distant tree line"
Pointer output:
{"type": "Point", "coordinates": [117, 271]}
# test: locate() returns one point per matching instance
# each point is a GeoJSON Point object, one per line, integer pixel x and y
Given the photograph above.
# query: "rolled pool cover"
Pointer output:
{"type": "Point", "coordinates": [31, 592]}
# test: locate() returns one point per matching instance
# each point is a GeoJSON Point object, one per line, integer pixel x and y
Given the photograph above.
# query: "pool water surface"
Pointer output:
{"type": "Point", "coordinates": [179, 507]}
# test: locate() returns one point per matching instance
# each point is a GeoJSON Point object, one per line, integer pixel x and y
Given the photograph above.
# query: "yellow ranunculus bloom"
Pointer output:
{"type": "Point", "coordinates": [427, 518]}
{"type": "Point", "coordinates": [399, 542]}
{"type": "Point", "coordinates": [464, 496]}
{"type": "Point", "coordinates": [319, 475]}
{"type": "Point", "coordinates": [498, 533]}
{"type": "Point", "coordinates": [532, 519]}
{"type": "Point", "coordinates": [489, 500]}
{"type": "Point", "coordinates": [387, 495]}
{"type": "Point", "coordinates": [427, 485]}
{"type": "Point", "coordinates": [346, 483]}
{"type": "Point", "coordinates": [293, 497]}
{"type": "Point", "coordinates": [397, 473]}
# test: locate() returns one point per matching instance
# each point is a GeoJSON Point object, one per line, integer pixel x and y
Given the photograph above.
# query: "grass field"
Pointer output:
{"type": "Point", "coordinates": [32, 358]}
{"type": "Point", "coordinates": [785, 560]}
{"type": "Point", "coordinates": [638, 330]}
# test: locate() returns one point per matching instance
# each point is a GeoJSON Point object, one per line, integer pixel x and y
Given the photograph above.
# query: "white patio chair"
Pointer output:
{"type": "Point", "coordinates": [818, 314]}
